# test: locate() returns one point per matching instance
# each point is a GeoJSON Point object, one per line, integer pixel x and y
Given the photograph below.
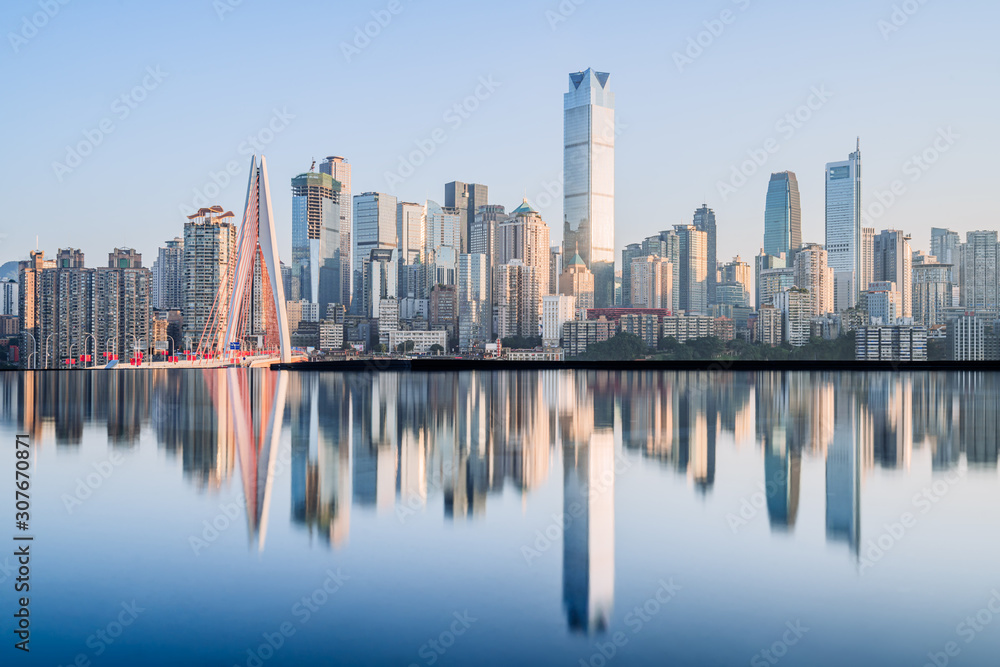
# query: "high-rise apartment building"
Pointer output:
{"type": "Point", "coordinates": [8, 297]}
{"type": "Point", "coordinates": [843, 228]}
{"type": "Point", "coordinates": [932, 292]}
{"type": "Point", "coordinates": [516, 299]}
{"type": "Point", "coordinates": [652, 283]}
{"type": "Point", "coordinates": [122, 304]}
{"type": "Point", "coordinates": [693, 285]}
{"type": "Point", "coordinates": [475, 309]}
{"type": "Point", "coordinates": [812, 273]}
{"type": "Point", "coordinates": [316, 243]}
{"type": "Point", "coordinates": [893, 262]}
{"type": "Point", "coordinates": [867, 258]}
{"type": "Point", "coordinates": [557, 310]}
{"type": "Point", "coordinates": [168, 276]}
{"type": "Point", "coordinates": [209, 259]}
{"type": "Point", "coordinates": [782, 215]}
{"type": "Point", "coordinates": [978, 270]}
{"type": "Point", "coordinates": [704, 221]}
{"type": "Point", "coordinates": [340, 169]}
{"type": "Point", "coordinates": [524, 236]}
{"type": "Point", "coordinates": [796, 309]}
{"type": "Point", "coordinates": [589, 178]}
{"type": "Point", "coordinates": [578, 282]}
{"type": "Point", "coordinates": [739, 272]}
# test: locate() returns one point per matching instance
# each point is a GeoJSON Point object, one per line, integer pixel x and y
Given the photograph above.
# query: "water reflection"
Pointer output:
{"type": "Point", "coordinates": [402, 443]}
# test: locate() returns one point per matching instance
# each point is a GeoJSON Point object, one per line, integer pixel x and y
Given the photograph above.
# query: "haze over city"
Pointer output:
{"type": "Point", "coordinates": [687, 114]}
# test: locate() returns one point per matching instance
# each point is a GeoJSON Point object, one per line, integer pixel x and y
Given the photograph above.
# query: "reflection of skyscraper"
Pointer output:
{"type": "Point", "coordinates": [782, 470]}
{"type": "Point", "coordinates": [843, 473]}
{"type": "Point", "coordinates": [321, 457]}
{"type": "Point", "coordinates": [589, 539]}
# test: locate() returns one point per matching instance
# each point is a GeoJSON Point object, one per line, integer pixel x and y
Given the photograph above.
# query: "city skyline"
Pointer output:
{"type": "Point", "coordinates": [890, 143]}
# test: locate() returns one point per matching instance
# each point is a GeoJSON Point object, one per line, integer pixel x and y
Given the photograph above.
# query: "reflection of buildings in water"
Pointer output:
{"type": "Point", "coordinates": [374, 433]}
{"type": "Point", "coordinates": [202, 425]}
{"type": "Point", "coordinates": [890, 402]}
{"type": "Point", "coordinates": [321, 455]}
{"type": "Point", "coordinates": [844, 461]}
{"type": "Point", "coordinates": [648, 409]}
{"type": "Point", "coordinates": [782, 474]}
{"type": "Point", "coordinates": [521, 426]}
{"type": "Point", "coordinates": [935, 413]}
{"type": "Point", "coordinates": [979, 418]}
{"type": "Point", "coordinates": [589, 536]}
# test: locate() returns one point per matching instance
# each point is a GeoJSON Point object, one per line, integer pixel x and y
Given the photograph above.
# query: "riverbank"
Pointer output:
{"type": "Point", "coordinates": [430, 364]}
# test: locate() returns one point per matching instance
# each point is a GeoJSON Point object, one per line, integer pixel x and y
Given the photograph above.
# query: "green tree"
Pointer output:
{"type": "Point", "coordinates": [621, 347]}
{"type": "Point", "coordinates": [436, 348]}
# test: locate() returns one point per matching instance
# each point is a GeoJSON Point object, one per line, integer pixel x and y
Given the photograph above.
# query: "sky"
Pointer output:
{"type": "Point", "coordinates": [123, 117]}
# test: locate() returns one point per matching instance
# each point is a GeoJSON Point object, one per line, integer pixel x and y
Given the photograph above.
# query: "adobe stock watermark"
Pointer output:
{"type": "Point", "coordinates": [454, 117]}
{"type": "Point", "coordinates": [433, 649]}
{"type": "Point", "coordinates": [899, 17]}
{"type": "Point", "coordinates": [635, 620]}
{"type": "Point", "coordinates": [223, 7]}
{"type": "Point", "coordinates": [787, 126]}
{"type": "Point", "coordinates": [751, 507]}
{"type": "Point", "coordinates": [714, 29]}
{"type": "Point", "coordinates": [235, 168]}
{"type": "Point", "coordinates": [562, 12]}
{"type": "Point", "coordinates": [86, 486]}
{"type": "Point", "coordinates": [914, 168]}
{"type": "Point", "coordinates": [967, 630]}
{"type": "Point", "coordinates": [923, 501]}
{"type": "Point", "coordinates": [104, 638]}
{"type": "Point", "coordinates": [552, 190]}
{"type": "Point", "coordinates": [32, 24]}
{"type": "Point", "coordinates": [414, 501]}
{"type": "Point", "coordinates": [553, 533]}
{"type": "Point", "coordinates": [302, 611]}
{"type": "Point", "coordinates": [773, 654]}
{"type": "Point", "coordinates": [365, 34]}
{"type": "Point", "coordinates": [121, 108]}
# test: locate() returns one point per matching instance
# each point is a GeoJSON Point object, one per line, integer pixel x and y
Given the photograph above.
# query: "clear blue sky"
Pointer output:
{"type": "Point", "coordinates": [683, 130]}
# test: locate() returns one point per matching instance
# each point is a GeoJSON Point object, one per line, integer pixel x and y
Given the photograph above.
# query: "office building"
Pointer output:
{"type": "Point", "coordinates": [475, 315]}
{"type": "Point", "coordinates": [412, 239]}
{"type": "Point", "coordinates": [374, 229]}
{"type": "Point", "coordinates": [340, 170]}
{"type": "Point", "coordinates": [782, 215]}
{"type": "Point", "coordinates": [557, 310]}
{"type": "Point", "coordinates": [589, 178]}
{"type": "Point", "coordinates": [466, 198]}
{"type": "Point", "coordinates": [443, 307]}
{"type": "Point", "coordinates": [316, 260]}
{"type": "Point", "coordinates": [843, 228]}
{"type": "Point", "coordinates": [893, 262]}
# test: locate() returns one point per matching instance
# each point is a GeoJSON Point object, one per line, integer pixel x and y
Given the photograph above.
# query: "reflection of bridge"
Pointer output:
{"type": "Point", "coordinates": [249, 309]}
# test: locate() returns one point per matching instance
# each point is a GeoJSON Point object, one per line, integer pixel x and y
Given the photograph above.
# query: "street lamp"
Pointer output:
{"type": "Point", "coordinates": [34, 349]}
{"type": "Point", "coordinates": [86, 335]}
{"type": "Point", "coordinates": [47, 348]}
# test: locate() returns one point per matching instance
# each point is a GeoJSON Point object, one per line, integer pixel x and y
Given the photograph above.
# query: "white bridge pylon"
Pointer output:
{"type": "Point", "coordinates": [257, 237]}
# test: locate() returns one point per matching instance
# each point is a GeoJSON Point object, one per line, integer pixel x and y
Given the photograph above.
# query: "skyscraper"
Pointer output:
{"type": "Point", "coordinates": [704, 221]}
{"type": "Point", "coordinates": [375, 228]}
{"type": "Point", "coordinates": [442, 226]}
{"type": "Point", "coordinates": [782, 215]}
{"type": "Point", "coordinates": [693, 285]}
{"type": "Point", "coordinates": [979, 266]}
{"type": "Point", "coordinates": [467, 198]}
{"type": "Point", "coordinates": [812, 273]}
{"type": "Point", "coordinates": [893, 262]}
{"type": "Point", "coordinates": [411, 236]}
{"type": "Point", "coordinates": [316, 243]}
{"type": "Point", "coordinates": [340, 169]}
{"type": "Point", "coordinates": [169, 276]}
{"type": "Point", "coordinates": [121, 302]}
{"type": "Point", "coordinates": [589, 179]}
{"type": "Point", "coordinates": [525, 236]}
{"type": "Point", "coordinates": [209, 257]}
{"type": "Point", "coordinates": [843, 228]}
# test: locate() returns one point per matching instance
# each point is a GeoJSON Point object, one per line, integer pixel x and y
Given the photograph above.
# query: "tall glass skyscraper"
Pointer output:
{"type": "Point", "coordinates": [782, 215]}
{"type": "Point", "coordinates": [340, 169]}
{"type": "Point", "coordinates": [316, 238]}
{"type": "Point", "coordinates": [843, 228]}
{"type": "Point", "coordinates": [374, 229]}
{"type": "Point", "coordinates": [589, 179]}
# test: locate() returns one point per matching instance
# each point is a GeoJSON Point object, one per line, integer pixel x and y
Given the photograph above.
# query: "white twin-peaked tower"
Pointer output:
{"type": "Point", "coordinates": [250, 305]}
